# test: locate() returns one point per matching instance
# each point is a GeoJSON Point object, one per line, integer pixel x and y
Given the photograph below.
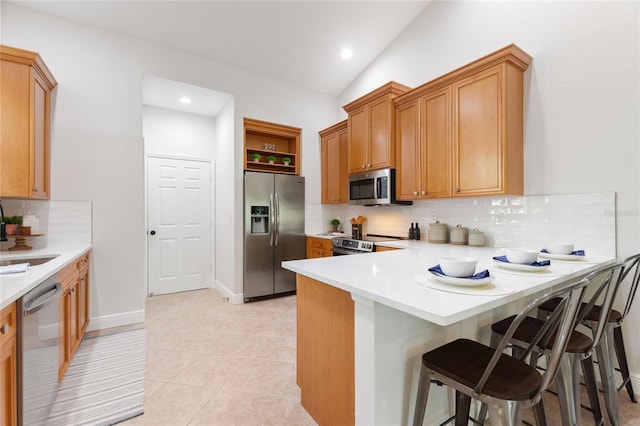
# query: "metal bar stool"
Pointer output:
{"type": "Point", "coordinates": [579, 348]}
{"type": "Point", "coordinates": [505, 383]}
{"type": "Point", "coordinates": [611, 339]}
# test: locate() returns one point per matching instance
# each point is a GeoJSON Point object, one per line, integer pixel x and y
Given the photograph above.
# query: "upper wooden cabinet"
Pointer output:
{"type": "Point", "coordinates": [371, 125]}
{"type": "Point", "coordinates": [335, 175]}
{"type": "Point", "coordinates": [462, 134]}
{"type": "Point", "coordinates": [25, 112]}
{"type": "Point", "coordinates": [266, 140]}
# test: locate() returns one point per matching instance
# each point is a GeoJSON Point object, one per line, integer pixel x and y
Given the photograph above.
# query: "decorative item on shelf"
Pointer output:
{"type": "Point", "coordinates": [12, 224]}
{"type": "Point", "coordinates": [271, 159]}
{"type": "Point", "coordinates": [256, 157]}
{"type": "Point", "coordinates": [335, 223]}
{"type": "Point", "coordinates": [25, 230]}
{"type": "Point", "coordinates": [286, 161]}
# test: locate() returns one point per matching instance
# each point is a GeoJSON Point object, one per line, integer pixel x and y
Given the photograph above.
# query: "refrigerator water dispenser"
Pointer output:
{"type": "Point", "coordinates": [259, 219]}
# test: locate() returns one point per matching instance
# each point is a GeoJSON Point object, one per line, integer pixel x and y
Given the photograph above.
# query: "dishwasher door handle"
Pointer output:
{"type": "Point", "coordinates": [42, 300]}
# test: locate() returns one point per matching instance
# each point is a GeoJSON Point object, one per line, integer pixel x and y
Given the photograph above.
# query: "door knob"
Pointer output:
{"type": "Point", "coordinates": [153, 232]}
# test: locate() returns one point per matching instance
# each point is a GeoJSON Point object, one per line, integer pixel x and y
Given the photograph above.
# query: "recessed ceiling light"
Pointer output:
{"type": "Point", "coordinates": [184, 100]}
{"type": "Point", "coordinates": [346, 53]}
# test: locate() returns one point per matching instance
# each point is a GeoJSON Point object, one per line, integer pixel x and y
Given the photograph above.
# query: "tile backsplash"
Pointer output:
{"type": "Point", "coordinates": [59, 221]}
{"type": "Point", "coordinates": [587, 220]}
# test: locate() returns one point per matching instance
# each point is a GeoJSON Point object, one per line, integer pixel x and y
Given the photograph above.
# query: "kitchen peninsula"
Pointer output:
{"type": "Point", "coordinates": [364, 321]}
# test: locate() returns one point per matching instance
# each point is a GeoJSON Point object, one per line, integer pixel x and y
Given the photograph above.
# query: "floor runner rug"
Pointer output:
{"type": "Point", "coordinates": [104, 384]}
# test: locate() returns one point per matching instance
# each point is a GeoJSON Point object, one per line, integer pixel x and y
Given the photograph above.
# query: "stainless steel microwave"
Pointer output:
{"type": "Point", "coordinates": [374, 188]}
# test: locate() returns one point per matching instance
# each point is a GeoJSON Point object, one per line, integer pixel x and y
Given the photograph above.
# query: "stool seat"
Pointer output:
{"type": "Point", "coordinates": [465, 361]}
{"type": "Point", "coordinates": [578, 343]}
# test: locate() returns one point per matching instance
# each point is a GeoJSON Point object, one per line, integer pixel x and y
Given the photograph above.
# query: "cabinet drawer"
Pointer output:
{"type": "Point", "coordinates": [83, 261]}
{"type": "Point", "coordinates": [320, 243]}
{"type": "Point", "coordinates": [312, 253]}
{"type": "Point", "coordinates": [7, 323]}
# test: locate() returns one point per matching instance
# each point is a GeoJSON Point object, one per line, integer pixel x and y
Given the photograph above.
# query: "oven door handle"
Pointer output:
{"type": "Point", "coordinates": [42, 300]}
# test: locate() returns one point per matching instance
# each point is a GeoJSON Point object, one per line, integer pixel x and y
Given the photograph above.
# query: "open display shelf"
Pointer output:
{"type": "Point", "coordinates": [270, 139]}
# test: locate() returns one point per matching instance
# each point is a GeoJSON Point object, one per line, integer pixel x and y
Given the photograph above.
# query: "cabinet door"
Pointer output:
{"type": "Point", "coordinates": [436, 147]}
{"type": "Point", "coordinates": [15, 113]}
{"type": "Point", "coordinates": [343, 138]}
{"type": "Point", "coordinates": [409, 152]}
{"type": "Point", "coordinates": [83, 303]}
{"type": "Point", "coordinates": [8, 383]}
{"type": "Point", "coordinates": [39, 161]}
{"type": "Point", "coordinates": [358, 140]}
{"type": "Point", "coordinates": [331, 172]}
{"type": "Point", "coordinates": [478, 139]}
{"type": "Point", "coordinates": [381, 123]}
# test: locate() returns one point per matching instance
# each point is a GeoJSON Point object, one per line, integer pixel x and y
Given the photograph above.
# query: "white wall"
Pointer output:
{"type": "Point", "coordinates": [97, 147]}
{"type": "Point", "coordinates": [581, 94]}
{"type": "Point", "coordinates": [174, 133]}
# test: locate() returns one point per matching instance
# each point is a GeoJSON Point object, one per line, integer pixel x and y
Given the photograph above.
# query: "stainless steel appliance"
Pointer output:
{"type": "Point", "coordinates": [273, 232]}
{"type": "Point", "coordinates": [374, 188]}
{"type": "Point", "coordinates": [38, 352]}
{"type": "Point", "coordinates": [344, 246]}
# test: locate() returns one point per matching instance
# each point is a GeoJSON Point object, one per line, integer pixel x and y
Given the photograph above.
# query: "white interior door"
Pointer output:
{"type": "Point", "coordinates": [179, 225]}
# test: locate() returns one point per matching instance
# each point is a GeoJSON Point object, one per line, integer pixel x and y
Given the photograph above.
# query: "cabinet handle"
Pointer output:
{"type": "Point", "coordinates": [363, 166]}
{"type": "Point", "coordinates": [424, 192]}
{"type": "Point", "coordinates": [35, 189]}
{"type": "Point", "coordinates": [368, 165]}
{"type": "Point", "coordinates": [455, 190]}
{"type": "Point", "coordinates": [415, 192]}
{"type": "Point", "coordinates": [4, 329]}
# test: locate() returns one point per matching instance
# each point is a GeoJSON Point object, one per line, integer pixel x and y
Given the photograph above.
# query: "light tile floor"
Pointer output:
{"type": "Point", "coordinates": [210, 362]}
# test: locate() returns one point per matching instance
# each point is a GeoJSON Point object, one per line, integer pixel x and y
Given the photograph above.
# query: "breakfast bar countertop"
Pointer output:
{"type": "Point", "coordinates": [389, 278]}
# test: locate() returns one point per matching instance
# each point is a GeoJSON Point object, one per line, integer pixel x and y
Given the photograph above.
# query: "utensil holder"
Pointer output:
{"type": "Point", "coordinates": [356, 231]}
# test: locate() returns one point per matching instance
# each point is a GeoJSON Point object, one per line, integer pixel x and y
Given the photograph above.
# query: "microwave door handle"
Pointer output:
{"type": "Point", "coordinates": [378, 188]}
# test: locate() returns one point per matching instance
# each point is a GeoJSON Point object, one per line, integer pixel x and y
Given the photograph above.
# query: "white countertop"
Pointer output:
{"type": "Point", "coordinates": [389, 278]}
{"type": "Point", "coordinates": [14, 286]}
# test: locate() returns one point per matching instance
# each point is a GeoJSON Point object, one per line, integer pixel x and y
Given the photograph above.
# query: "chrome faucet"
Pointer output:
{"type": "Point", "coordinates": [3, 226]}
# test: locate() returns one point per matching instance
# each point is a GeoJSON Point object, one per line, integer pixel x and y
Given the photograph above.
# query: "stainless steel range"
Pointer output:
{"type": "Point", "coordinates": [344, 246]}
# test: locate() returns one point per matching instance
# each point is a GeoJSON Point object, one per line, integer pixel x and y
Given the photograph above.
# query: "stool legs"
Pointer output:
{"type": "Point", "coordinates": [605, 350]}
{"type": "Point", "coordinates": [568, 383]}
{"type": "Point", "coordinates": [622, 361]}
{"type": "Point", "coordinates": [424, 383]}
{"type": "Point", "coordinates": [504, 413]}
{"type": "Point", "coordinates": [592, 389]}
{"type": "Point", "coordinates": [463, 405]}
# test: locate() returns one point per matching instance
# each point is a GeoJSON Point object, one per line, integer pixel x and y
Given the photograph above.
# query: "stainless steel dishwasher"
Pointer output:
{"type": "Point", "coordinates": [38, 352]}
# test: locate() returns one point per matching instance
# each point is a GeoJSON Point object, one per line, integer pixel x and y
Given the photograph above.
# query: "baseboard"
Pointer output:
{"type": "Point", "coordinates": [116, 320]}
{"type": "Point", "coordinates": [236, 299]}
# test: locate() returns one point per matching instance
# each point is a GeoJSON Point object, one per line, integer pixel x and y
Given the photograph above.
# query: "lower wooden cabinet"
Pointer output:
{"type": "Point", "coordinates": [325, 352]}
{"type": "Point", "coordinates": [318, 247]}
{"type": "Point", "coordinates": [74, 310]}
{"type": "Point", "coordinates": [8, 371]}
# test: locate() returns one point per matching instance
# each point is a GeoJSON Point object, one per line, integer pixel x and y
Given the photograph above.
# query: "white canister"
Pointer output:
{"type": "Point", "coordinates": [33, 222]}
{"type": "Point", "coordinates": [459, 235]}
{"type": "Point", "coordinates": [438, 233]}
{"type": "Point", "coordinates": [476, 238]}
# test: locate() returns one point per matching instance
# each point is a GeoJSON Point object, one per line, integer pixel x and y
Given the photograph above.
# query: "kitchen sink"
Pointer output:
{"type": "Point", "coordinates": [33, 261]}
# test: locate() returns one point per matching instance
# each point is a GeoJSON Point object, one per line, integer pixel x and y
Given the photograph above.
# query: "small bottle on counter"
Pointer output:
{"type": "Point", "coordinates": [411, 232]}
{"type": "Point", "coordinates": [417, 232]}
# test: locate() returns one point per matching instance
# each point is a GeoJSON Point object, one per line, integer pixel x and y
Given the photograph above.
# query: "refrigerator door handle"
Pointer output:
{"type": "Point", "coordinates": [277, 203]}
{"type": "Point", "coordinates": [272, 219]}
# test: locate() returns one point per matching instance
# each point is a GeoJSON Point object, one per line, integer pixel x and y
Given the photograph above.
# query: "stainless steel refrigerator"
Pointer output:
{"type": "Point", "coordinates": [273, 232]}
